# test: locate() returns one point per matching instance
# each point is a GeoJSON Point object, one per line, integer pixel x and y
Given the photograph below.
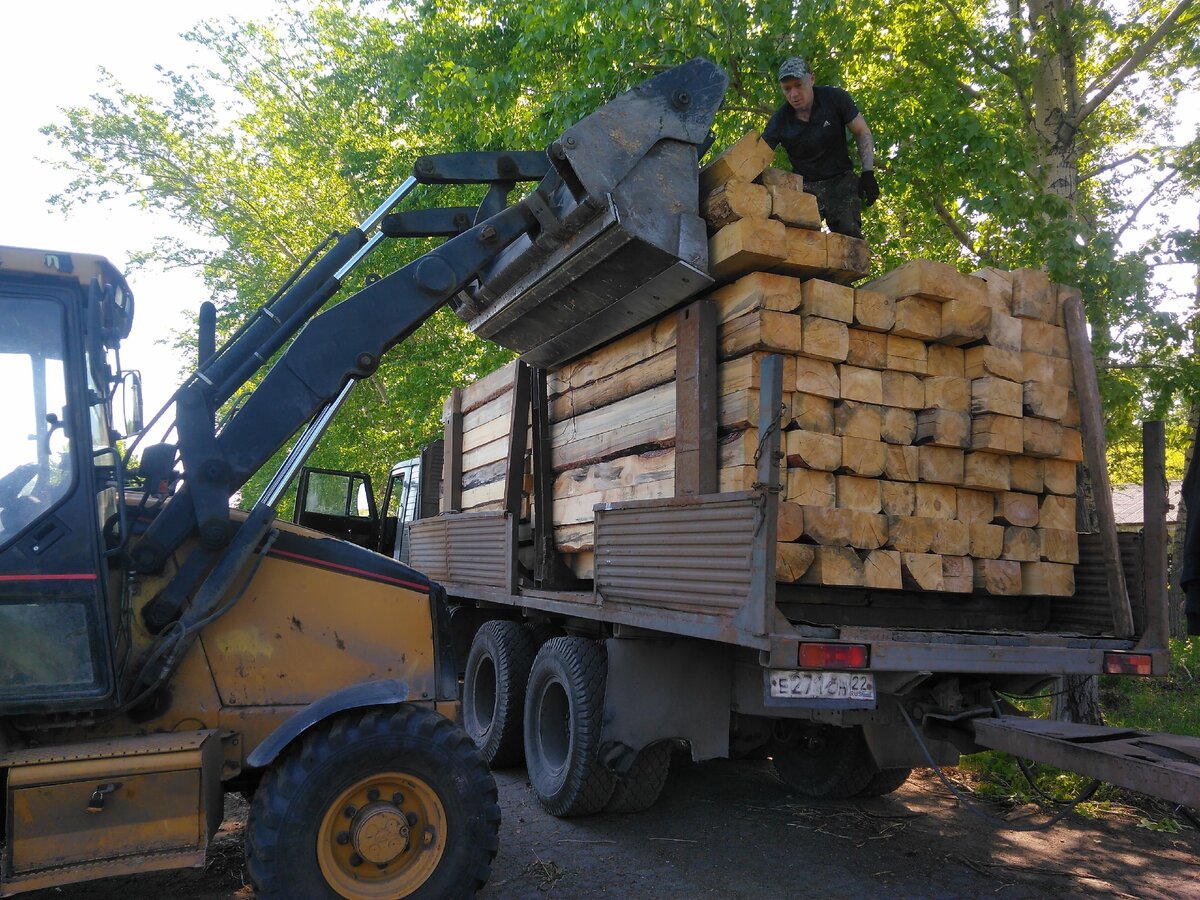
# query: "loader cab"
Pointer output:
{"type": "Point", "coordinates": [65, 630]}
{"type": "Point", "coordinates": [342, 504]}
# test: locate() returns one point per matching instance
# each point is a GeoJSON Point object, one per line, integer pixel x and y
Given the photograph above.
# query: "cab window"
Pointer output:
{"type": "Point", "coordinates": [36, 464]}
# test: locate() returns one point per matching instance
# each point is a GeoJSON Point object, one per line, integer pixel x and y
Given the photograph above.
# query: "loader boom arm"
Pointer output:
{"type": "Point", "coordinates": [346, 342]}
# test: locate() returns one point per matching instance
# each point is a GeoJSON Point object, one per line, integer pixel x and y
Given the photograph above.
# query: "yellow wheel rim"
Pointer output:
{"type": "Point", "coordinates": [382, 837]}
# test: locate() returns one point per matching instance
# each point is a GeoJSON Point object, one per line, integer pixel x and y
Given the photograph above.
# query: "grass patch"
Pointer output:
{"type": "Point", "coordinates": [1167, 704]}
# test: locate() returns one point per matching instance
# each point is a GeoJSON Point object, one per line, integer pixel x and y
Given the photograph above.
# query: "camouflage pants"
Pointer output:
{"type": "Point", "coordinates": [838, 200]}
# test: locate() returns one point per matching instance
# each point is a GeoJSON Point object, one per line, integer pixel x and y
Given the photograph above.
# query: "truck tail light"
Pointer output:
{"type": "Point", "coordinates": [1127, 664]}
{"type": "Point", "coordinates": [833, 656]}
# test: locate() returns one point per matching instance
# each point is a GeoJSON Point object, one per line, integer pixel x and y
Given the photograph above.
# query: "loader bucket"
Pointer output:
{"type": "Point", "coordinates": [619, 238]}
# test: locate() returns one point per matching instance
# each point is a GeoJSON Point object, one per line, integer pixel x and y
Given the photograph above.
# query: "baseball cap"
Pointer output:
{"type": "Point", "coordinates": [793, 67]}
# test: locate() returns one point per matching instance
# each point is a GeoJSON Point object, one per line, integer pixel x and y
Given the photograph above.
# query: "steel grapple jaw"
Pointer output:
{"type": "Point", "coordinates": [617, 237]}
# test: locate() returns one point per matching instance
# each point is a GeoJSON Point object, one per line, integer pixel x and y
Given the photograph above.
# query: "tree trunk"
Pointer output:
{"type": "Point", "coordinates": [1055, 106]}
{"type": "Point", "coordinates": [1175, 599]}
{"type": "Point", "coordinates": [1077, 700]}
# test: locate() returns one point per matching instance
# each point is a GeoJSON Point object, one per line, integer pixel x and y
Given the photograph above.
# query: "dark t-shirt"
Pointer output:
{"type": "Point", "coordinates": [816, 148]}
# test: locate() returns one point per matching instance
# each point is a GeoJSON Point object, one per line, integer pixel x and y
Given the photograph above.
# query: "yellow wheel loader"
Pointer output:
{"type": "Point", "coordinates": [158, 649]}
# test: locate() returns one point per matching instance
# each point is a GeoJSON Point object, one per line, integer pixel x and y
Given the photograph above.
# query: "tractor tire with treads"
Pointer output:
{"type": "Point", "coordinates": [564, 707]}
{"type": "Point", "coordinates": [640, 788]}
{"type": "Point", "coordinates": [382, 802]}
{"type": "Point", "coordinates": [885, 781]}
{"type": "Point", "coordinates": [825, 762]}
{"type": "Point", "coordinates": [494, 690]}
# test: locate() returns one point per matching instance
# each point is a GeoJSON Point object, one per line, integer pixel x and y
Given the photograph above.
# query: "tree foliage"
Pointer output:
{"type": "Point", "coordinates": [1034, 133]}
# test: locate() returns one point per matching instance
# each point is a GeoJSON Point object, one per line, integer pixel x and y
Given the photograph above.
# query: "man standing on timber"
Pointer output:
{"type": "Point", "coordinates": [812, 126]}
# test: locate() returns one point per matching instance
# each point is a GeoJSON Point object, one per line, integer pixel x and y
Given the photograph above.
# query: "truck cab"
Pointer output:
{"type": "Point", "coordinates": [342, 504]}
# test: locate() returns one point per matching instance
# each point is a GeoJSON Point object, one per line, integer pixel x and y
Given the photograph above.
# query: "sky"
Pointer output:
{"type": "Point", "coordinates": [50, 61]}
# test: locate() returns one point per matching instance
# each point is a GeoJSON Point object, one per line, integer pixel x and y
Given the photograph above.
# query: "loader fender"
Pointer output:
{"type": "Point", "coordinates": [356, 696]}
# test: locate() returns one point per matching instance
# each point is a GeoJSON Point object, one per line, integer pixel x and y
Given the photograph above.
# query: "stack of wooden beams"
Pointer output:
{"type": "Point", "coordinates": [486, 408]}
{"type": "Point", "coordinates": [931, 430]}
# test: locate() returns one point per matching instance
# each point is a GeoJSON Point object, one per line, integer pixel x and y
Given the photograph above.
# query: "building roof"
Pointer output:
{"type": "Point", "coordinates": [1127, 502]}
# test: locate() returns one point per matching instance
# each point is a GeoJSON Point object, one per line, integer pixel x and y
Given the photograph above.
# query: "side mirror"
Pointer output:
{"type": "Point", "coordinates": [130, 391]}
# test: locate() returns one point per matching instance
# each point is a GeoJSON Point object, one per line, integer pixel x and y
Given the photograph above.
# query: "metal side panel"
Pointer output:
{"type": "Point", "coordinates": [685, 557]}
{"type": "Point", "coordinates": [427, 548]}
{"type": "Point", "coordinates": [109, 807]}
{"type": "Point", "coordinates": [1161, 765]}
{"type": "Point", "coordinates": [478, 548]}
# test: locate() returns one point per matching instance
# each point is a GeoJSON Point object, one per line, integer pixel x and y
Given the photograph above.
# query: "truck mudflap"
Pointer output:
{"type": "Point", "coordinates": [1166, 766]}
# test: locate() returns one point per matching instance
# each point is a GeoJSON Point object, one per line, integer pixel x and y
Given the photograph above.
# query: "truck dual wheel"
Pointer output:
{"type": "Point", "coordinates": [885, 781]}
{"type": "Point", "coordinates": [564, 706]}
{"type": "Point", "coordinates": [825, 762]}
{"type": "Point", "coordinates": [494, 690]}
{"type": "Point", "coordinates": [373, 804]}
{"type": "Point", "coordinates": [640, 788]}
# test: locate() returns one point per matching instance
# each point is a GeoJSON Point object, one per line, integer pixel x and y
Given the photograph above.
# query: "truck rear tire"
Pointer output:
{"type": "Point", "coordinates": [564, 706]}
{"type": "Point", "coordinates": [640, 789]}
{"type": "Point", "coordinates": [393, 802]}
{"type": "Point", "coordinates": [825, 762]}
{"type": "Point", "coordinates": [885, 781]}
{"type": "Point", "coordinates": [494, 690]}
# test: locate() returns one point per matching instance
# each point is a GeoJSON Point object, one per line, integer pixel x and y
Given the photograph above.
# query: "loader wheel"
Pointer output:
{"type": "Point", "coordinates": [885, 781]}
{"type": "Point", "coordinates": [494, 690]}
{"type": "Point", "coordinates": [375, 804]}
{"type": "Point", "coordinates": [639, 790]}
{"type": "Point", "coordinates": [824, 762]}
{"type": "Point", "coordinates": [564, 705]}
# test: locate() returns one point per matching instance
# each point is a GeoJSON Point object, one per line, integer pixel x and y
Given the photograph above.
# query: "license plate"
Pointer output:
{"type": "Point", "coordinates": [809, 685]}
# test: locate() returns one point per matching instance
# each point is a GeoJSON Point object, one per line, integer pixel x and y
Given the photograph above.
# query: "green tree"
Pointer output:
{"type": "Point", "coordinates": [1008, 135]}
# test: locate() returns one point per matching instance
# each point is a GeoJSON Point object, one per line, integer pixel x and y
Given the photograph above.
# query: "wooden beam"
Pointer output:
{"type": "Point", "coordinates": [452, 463]}
{"type": "Point", "coordinates": [696, 400]}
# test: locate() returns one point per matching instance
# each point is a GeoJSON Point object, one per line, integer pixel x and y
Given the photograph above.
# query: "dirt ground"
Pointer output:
{"type": "Point", "coordinates": [730, 830]}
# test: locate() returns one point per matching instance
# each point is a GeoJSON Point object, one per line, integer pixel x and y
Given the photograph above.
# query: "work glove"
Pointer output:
{"type": "Point", "coordinates": [868, 187]}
